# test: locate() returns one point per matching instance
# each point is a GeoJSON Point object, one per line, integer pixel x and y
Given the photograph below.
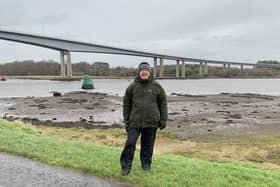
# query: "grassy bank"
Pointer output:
{"type": "Point", "coordinates": [103, 160]}
{"type": "Point", "coordinates": [263, 151]}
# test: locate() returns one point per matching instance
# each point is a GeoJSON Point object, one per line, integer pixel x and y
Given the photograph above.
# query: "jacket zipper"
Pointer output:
{"type": "Point", "coordinates": [143, 106]}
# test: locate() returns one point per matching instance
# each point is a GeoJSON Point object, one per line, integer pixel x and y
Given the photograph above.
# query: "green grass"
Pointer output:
{"type": "Point", "coordinates": [168, 169]}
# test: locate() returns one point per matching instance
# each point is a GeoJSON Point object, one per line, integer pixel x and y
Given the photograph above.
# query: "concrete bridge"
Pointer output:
{"type": "Point", "coordinates": [65, 47]}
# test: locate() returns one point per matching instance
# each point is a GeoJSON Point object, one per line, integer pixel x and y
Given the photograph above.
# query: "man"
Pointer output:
{"type": "Point", "coordinates": [144, 110]}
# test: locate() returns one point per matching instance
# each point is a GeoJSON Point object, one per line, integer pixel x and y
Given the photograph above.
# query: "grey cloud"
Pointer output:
{"type": "Point", "coordinates": [240, 30]}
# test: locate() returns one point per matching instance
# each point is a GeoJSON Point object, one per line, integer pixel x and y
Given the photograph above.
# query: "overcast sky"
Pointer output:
{"type": "Point", "coordinates": [233, 30]}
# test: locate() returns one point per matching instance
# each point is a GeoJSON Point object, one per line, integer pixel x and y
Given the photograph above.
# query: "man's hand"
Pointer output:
{"type": "Point", "coordinates": [162, 124]}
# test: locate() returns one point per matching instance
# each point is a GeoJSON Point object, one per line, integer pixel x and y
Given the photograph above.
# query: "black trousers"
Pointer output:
{"type": "Point", "coordinates": [148, 136]}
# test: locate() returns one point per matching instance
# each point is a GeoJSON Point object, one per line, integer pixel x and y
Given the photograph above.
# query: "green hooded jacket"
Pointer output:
{"type": "Point", "coordinates": [144, 104]}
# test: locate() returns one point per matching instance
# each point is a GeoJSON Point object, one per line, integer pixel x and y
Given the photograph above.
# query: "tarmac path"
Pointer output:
{"type": "Point", "coordinates": [20, 172]}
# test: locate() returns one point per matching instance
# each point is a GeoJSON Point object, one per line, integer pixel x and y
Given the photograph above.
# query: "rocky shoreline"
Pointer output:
{"type": "Point", "coordinates": [194, 117]}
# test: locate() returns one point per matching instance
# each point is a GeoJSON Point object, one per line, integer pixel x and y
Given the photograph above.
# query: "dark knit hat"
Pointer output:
{"type": "Point", "coordinates": [144, 65]}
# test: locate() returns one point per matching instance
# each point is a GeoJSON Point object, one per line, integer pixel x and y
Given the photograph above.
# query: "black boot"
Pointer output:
{"type": "Point", "coordinates": [146, 168]}
{"type": "Point", "coordinates": [125, 171]}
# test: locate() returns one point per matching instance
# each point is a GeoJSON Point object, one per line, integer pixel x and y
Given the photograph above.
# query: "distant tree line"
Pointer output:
{"type": "Point", "coordinates": [29, 67]}
{"type": "Point", "coordinates": [268, 62]}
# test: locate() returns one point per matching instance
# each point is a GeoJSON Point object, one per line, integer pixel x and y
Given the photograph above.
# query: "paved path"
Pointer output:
{"type": "Point", "coordinates": [18, 172]}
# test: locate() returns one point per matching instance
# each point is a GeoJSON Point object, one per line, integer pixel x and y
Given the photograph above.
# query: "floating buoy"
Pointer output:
{"type": "Point", "coordinates": [87, 83]}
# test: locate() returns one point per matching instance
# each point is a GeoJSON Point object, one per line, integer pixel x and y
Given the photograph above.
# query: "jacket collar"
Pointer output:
{"type": "Point", "coordinates": [138, 79]}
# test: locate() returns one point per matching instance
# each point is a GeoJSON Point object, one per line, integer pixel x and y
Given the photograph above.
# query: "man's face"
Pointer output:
{"type": "Point", "coordinates": [144, 74]}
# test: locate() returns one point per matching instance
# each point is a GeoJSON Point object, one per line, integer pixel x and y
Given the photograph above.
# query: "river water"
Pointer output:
{"type": "Point", "coordinates": [24, 88]}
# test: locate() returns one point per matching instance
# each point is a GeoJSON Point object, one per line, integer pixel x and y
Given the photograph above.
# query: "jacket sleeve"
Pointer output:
{"type": "Point", "coordinates": [127, 102]}
{"type": "Point", "coordinates": [162, 103]}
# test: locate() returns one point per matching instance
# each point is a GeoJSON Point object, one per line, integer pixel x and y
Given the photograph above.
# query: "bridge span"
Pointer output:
{"type": "Point", "coordinates": [65, 47]}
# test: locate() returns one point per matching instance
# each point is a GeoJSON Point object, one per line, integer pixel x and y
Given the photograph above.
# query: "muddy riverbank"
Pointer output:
{"type": "Point", "coordinates": [193, 117]}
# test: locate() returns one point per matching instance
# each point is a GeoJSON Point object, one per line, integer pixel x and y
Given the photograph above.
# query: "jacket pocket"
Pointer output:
{"type": "Point", "coordinates": [135, 115]}
{"type": "Point", "coordinates": [152, 116]}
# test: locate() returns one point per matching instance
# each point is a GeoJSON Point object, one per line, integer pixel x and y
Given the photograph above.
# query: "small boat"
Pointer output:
{"type": "Point", "coordinates": [3, 78]}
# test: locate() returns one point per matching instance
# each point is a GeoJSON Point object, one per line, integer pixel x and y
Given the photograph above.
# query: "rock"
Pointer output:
{"type": "Point", "coordinates": [173, 113]}
{"type": "Point", "coordinates": [83, 120]}
{"type": "Point", "coordinates": [236, 116]}
{"type": "Point", "coordinates": [188, 95]}
{"type": "Point", "coordinates": [230, 102]}
{"type": "Point", "coordinates": [40, 107]}
{"type": "Point", "coordinates": [222, 111]}
{"type": "Point", "coordinates": [54, 119]}
{"type": "Point", "coordinates": [11, 108]}
{"type": "Point", "coordinates": [89, 108]}
{"type": "Point", "coordinates": [229, 121]}
{"type": "Point", "coordinates": [226, 105]}
{"type": "Point", "coordinates": [256, 96]}
{"type": "Point", "coordinates": [185, 120]}
{"type": "Point", "coordinates": [56, 94]}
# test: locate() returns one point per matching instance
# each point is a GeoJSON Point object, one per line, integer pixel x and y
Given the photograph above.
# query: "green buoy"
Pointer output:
{"type": "Point", "coordinates": [87, 83]}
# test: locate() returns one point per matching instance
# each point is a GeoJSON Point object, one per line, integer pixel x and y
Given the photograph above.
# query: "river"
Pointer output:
{"type": "Point", "coordinates": [24, 88]}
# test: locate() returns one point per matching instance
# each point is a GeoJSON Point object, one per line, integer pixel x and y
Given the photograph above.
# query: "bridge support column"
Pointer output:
{"type": "Point", "coordinates": [62, 64]}
{"type": "Point", "coordinates": [177, 68]}
{"type": "Point", "coordinates": [206, 68]}
{"type": "Point", "coordinates": [161, 68]}
{"type": "Point", "coordinates": [155, 67]}
{"type": "Point", "coordinates": [224, 68]}
{"type": "Point", "coordinates": [228, 69]}
{"type": "Point", "coordinates": [200, 69]}
{"type": "Point", "coordinates": [69, 65]}
{"type": "Point", "coordinates": [183, 69]}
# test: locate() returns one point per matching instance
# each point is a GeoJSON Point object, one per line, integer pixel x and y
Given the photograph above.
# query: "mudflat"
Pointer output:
{"type": "Point", "coordinates": [191, 117]}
